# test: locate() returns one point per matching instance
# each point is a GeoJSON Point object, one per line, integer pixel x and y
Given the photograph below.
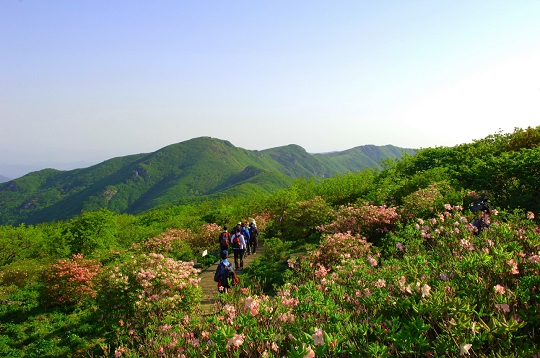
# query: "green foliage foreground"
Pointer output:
{"type": "Point", "coordinates": [389, 267]}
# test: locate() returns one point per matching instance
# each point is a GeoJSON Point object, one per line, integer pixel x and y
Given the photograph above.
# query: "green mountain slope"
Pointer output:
{"type": "Point", "coordinates": [194, 170]}
{"type": "Point", "coordinates": [363, 157]}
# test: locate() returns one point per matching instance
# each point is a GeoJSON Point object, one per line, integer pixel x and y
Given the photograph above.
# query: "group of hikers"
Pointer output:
{"type": "Point", "coordinates": [243, 239]}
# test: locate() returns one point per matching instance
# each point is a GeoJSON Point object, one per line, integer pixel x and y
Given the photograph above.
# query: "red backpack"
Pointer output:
{"type": "Point", "coordinates": [224, 238]}
{"type": "Point", "coordinates": [236, 241]}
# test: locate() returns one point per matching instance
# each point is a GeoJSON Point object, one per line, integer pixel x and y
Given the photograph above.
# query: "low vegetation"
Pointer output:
{"type": "Point", "coordinates": [380, 263]}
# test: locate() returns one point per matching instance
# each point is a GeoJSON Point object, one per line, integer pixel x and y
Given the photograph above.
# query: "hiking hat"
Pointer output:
{"type": "Point", "coordinates": [224, 254]}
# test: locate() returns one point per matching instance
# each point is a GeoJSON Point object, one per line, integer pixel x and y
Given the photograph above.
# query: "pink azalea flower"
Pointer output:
{"type": "Point", "coordinates": [514, 270]}
{"type": "Point", "coordinates": [318, 337]}
{"type": "Point", "coordinates": [310, 353]}
{"type": "Point", "coordinates": [236, 341]}
{"type": "Point", "coordinates": [321, 272]}
{"type": "Point", "coordinates": [119, 351]}
{"type": "Point", "coordinates": [372, 261]}
{"type": "Point", "coordinates": [499, 289]}
{"type": "Point", "coordinates": [291, 263]}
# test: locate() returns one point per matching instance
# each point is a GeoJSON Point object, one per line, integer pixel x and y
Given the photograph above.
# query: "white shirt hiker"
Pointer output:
{"type": "Point", "coordinates": [242, 241]}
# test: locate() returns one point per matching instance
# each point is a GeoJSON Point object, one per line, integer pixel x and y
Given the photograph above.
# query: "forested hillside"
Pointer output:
{"type": "Point", "coordinates": [192, 171]}
{"type": "Point", "coordinates": [401, 261]}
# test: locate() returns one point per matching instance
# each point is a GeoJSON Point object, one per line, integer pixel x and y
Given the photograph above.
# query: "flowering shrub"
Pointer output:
{"type": "Point", "coordinates": [70, 281]}
{"type": "Point", "coordinates": [182, 244]}
{"type": "Point", "coordinates": [148, 287]}
{"type": "Point", "coordinates": [337, 247]}
{"type": "Point", "coordinates": [206, 238]}
{"type": "Point", "coordinates": [261, 219]}
{"type": "Point", "coordinates": [365, 220]}
{"type": "Point", "coordinates": [173, 243]}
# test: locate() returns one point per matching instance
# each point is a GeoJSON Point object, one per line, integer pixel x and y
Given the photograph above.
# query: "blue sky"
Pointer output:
{"type": "Point", "coordinates": [84, 81]}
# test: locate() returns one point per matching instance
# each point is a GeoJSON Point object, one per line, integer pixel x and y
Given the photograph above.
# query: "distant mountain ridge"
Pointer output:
{"type": "Point", "coordinates": [4, 179]}
{"type": "Point", "coordinates": [194, 170]}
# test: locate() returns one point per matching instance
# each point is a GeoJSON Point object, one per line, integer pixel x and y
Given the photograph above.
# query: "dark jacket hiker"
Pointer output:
{"type": "Point", "coordinates": [244, 230]}
{"type": "Point", "coordinates": [225, 275]}
{"type": "Point", "coordinates": [253, 234]}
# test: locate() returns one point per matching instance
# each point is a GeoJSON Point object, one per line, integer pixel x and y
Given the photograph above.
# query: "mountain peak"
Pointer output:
{"type": "Point", "coordinates": [202, 168]}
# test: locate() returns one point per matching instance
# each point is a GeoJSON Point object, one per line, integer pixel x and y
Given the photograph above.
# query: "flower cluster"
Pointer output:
{"type": "Point", "coordinates": [168, 242]}
{"type": "Point", "coordinates": [205, 238]}
{"type": "Point", "coordinates": [149, 285]}
{"type": "Point", "coordinates": [370, 221]}
{"type": "Point", "coordinates": [335, 248]}
{"type": "Point", "coordinates": [70, 281]}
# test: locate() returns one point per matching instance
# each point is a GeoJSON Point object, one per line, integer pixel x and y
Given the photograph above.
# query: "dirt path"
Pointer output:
{"type": "Point", "coordinates": [209, 287]}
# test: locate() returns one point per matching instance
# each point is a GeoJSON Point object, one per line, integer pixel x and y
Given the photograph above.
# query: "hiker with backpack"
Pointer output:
{"type": "Point", "coordinates": [238, 226]}
{"type": "Point", "coordinates": [482, 222]}
{"type": "Point", "coordinates": [253, 235]}
{"type": "Point", "coordinates": [245, 232]}
{"type": "Point", "coordinates": [225, 276]}
{"type": "Point", "coordinates": [224, 240]}
{"type": "Point", "coordinates": [239, 246]}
